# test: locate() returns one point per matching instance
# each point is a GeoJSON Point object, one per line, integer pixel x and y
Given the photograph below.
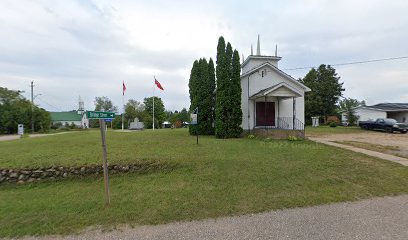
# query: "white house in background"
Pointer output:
{"type": "Point", "coordinates": [397, 111]}
{"type": "Point", "coordinates": [271, 99]}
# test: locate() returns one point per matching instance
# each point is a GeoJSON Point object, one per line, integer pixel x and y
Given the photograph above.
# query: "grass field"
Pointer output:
{"type": "Point", "coordinates": [215, 178]}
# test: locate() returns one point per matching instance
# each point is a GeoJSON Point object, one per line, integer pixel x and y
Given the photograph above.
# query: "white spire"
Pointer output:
{"type": "Point", "coordinates": [243, 58]}
{"type": "Point", "coordinates": [276, 50]}
{"type": "Point", "coordinates": [80, 105]}
{"type": "Point", "coordinates": [252, 50]}
{"type": "Point", "coordinates": [258, 47]}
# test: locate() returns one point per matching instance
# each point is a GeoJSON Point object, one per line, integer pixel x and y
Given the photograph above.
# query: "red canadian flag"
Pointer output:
{"type": "Point", "coordinates": [124, 88]}
{"type": "Point", "coordinates": [158, 84]}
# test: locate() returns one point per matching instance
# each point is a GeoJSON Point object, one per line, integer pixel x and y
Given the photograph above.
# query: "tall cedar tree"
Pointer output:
{"type": "Point", "coordinates": [202, 96]}
{"type": "Point", "coordinates": [193, 89]}
{"type": "Point", "coordinates": [326, 91]}
{"type": "Point", "coordinates": [235, 128]}
{"type": "Point", "coordinates": [221, 108]}
{"type": "Point", "coordinates": [211, 91]}
{"type": "Point", "coordinates": [204, 99]}
{"type": "Point", "coordinates": [228, 95]}
{"type": "Point", "coordinates": [229, 91]}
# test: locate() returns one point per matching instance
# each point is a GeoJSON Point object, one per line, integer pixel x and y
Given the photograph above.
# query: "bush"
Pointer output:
{"type": "Point", "coordinates": [251, 136]}
{"type": "Point", "coordinates": [333, 124]}
{"type": "Point", "coordinates": [333, 119]}
{"type": "Point", "coordinates": [293, 138]}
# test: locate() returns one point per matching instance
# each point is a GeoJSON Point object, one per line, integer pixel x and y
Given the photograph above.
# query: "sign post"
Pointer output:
{"type": "Point", "coordinates": [20, 130]}
{"type": "Point", "coordinates": [194, 120]}
{"type": "Point", "coordinates": [102, 116]}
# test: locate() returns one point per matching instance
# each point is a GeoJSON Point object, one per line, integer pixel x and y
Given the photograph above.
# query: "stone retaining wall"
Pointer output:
{"type": "Point", "coordinates": [27, 175]}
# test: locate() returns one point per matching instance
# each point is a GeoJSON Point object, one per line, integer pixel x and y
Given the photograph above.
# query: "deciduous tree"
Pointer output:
{"type": "Point", "coordinates": [326, 91]}
{"type": "Point", "coordinates": [159, 112]}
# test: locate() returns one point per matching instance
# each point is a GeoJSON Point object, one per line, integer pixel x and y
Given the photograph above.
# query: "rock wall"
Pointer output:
{"type": "Point", "coordinates": [26, 175]}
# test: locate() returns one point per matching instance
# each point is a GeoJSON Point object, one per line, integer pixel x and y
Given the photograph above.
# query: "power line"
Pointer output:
{"type": "Point", "coordinates": [352, 63]}
{"type": "Point", "coordinates": [59, 109]}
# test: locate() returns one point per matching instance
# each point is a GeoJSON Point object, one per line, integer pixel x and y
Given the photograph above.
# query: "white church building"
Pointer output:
{"type": "Point", "coordinates": [271, 99]}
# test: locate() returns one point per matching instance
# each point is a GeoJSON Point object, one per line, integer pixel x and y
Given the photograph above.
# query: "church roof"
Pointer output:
{"type": "Point", "coordinates": [282, 73]}
{"type": "Point", "coordinates": [266, 91]}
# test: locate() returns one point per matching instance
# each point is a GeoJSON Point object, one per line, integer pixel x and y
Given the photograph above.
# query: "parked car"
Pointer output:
{"type": "Point", "coordinates": [344, 124]}
{"type": "Point", "coordinates": [386, 124]}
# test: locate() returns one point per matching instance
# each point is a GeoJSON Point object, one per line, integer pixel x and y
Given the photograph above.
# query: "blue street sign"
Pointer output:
{"type": "Point", "coordinates": [108, 119]}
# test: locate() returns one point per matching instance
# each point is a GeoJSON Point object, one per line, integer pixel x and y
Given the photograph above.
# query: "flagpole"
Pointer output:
{"type": "Point", "coordinates": [153, 101]}
{"type": "Point", "coordinates": [123, 105]}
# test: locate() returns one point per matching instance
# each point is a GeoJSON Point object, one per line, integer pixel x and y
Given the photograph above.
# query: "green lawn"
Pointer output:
{"type": "Point", "coordinates": [326, 130]}
{"type": "Point", "coordinates": [215, 178]}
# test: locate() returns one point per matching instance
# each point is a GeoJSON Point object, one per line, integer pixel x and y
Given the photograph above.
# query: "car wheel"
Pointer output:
{"type": "Point", "coordinates": [403, 132]}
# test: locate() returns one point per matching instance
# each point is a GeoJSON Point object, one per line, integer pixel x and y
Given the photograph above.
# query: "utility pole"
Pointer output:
{"type": "Point", "coordinates": [32, 106]}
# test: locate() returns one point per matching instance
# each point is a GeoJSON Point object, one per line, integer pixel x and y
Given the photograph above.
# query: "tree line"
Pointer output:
{"type": "Point", "coordinates": [143, 111]}
{"type": "Point", "coordinates": [15, 109]}
{"type": "Point", "coordinates": [216, 93]}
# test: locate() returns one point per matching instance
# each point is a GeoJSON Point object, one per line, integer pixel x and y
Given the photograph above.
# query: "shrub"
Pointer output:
{"type": "Point", "coordinates": [293, 138]}
{"type": "Point", "coordinates": [333, 124]}
{"type": "Point", "coordinates": [333, 119]}
{"type": "Point", "coordinates": [251, 136]}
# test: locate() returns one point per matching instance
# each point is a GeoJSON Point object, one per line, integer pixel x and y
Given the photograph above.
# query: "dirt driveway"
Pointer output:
{"type": "Point", "coordinates": [395, 144]}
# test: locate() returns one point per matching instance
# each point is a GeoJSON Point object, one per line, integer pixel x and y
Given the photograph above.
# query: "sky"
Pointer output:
{"type": "Point", "coordinates": [88, 48]}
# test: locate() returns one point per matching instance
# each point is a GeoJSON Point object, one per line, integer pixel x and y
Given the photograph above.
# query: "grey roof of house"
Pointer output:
{"type": "Point", "coordinates": [395, 107]}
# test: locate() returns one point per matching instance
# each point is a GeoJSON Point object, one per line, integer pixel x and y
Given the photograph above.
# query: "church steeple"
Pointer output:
{"type": "Point", "coordinates": [81, 108]}
{"type": "Point", "coordinates": [258, 47]}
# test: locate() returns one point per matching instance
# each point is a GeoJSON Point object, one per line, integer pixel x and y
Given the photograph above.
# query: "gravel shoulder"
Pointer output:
{"type": "Point", "coordinates": [378, 218]}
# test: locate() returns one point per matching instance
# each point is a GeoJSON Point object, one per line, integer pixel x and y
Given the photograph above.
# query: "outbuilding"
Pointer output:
{"type": "Point", "coordinates": [397, 111]}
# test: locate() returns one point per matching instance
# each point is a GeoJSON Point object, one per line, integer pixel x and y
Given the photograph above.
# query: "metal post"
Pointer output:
{"type": "Point", "coordinates": [32, 106]}
{"type": "Point", "coordinates": [197, 126]}
{"type": "Point", "coordinates": [123, 112]}
{"type": "Point", "coordinates": [105, 162]}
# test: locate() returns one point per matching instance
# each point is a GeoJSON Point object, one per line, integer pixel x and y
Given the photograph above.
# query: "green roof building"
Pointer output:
{"type": "Point", "coordinates": [77, 118]}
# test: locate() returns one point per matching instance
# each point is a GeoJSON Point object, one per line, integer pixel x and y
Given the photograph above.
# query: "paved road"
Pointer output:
{"type": "Point", "coordinates": [379, 218]}
{"type": "Point", "coordinates": [9, 137]}
{"type": "Point", "coordinates": [15, 136]}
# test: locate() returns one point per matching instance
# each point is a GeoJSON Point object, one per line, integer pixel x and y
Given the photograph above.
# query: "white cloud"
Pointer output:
{"type": "Point", "coordinates": [88, 48]}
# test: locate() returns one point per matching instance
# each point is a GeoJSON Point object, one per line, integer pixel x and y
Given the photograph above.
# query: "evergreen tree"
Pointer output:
{"type": "Point", "coordinates": [235, 129]}
{"type": "Point", "coordinates": [202, 86]}
{"type": "Point", "coordinates": [228, 94]}
{"type": "Point", "coordinates": [211, 91]}
{"type": "Point", "coordinates": [222, 70]}
{"type": "Point", "coordinates": [193, 89]}
{"type": "Point", "coordinates": [205, 99]}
